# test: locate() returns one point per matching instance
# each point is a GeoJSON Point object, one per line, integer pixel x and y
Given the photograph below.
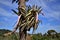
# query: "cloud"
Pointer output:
{"type": "Point", "coordinates": [33, 2]}
{"type": "Point", "coordinates": [5, 13]}
{"type": "Point", "coordinates": [50, 13]}
{"type": "Point", "coordinates": [7, 19]}
{"type": "Point", "coordinates": [50, 0]}
{"type": "Point", "coordinates": [8, 3]}
{"type": "Point", "coordinates": [53, 15]}
{"type": "Point", "coordinates": [45, 27]}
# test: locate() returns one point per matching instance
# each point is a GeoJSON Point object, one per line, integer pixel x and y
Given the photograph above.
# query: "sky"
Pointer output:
{"type": "Point", "coordinates": [50, 20]}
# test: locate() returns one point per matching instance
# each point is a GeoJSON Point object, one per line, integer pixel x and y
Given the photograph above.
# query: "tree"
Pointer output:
{"type": "Point", "coordinates": [27, 18]}
{"type": "Point", "coordinates": [52, 33]}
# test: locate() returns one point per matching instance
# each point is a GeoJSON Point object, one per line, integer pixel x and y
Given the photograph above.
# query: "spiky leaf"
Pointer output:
{"type": "Point", "coordinates": [14, 11]}
{"type": "Point", "coordinates": [13, 1]}
{"type": "Point", "coordinates": [26, 0]}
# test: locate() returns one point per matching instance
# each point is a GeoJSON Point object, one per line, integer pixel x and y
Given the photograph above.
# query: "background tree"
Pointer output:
{"type": "Point", "coordinates": [52, 33]}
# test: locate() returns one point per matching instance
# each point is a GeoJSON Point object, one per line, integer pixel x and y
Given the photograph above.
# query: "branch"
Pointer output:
{"type": "Point", "coordinates": [16, 27]}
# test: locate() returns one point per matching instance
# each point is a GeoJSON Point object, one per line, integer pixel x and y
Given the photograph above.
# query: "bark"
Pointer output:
{"type": "Point", "coordinates": [21, 4]}
{"type": "Point", "coordinates": [17, 24]}
{"type": "Point", "coordinates": [22, 34]}
{"type": "Point", "coordinates": [36, 17]}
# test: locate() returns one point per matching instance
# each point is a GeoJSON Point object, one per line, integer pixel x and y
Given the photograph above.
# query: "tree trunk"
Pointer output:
{"type": "Point", "coordinates": [21, 4]}
{"type": "Point", "coordinates": [22, 34]}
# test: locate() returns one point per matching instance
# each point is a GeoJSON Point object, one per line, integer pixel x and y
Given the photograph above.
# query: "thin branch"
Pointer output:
{"type": "Point", "coordinates": [16, 26]}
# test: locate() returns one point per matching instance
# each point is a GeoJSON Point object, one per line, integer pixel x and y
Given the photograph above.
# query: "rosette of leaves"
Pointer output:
{"type": "Point", "coordinates": [31, 14]}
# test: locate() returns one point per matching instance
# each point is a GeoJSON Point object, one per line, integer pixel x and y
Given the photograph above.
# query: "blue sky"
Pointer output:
{"type": "Point", "coordinates": [51, 20]}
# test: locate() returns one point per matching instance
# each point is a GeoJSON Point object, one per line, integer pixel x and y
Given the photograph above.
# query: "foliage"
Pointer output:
{"type": "Point", "coordinates": [28, 17]}
{"type": "Point", "coordinates": [11, 37]}
{"type": "Point", "coordinates": [38, 36]}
